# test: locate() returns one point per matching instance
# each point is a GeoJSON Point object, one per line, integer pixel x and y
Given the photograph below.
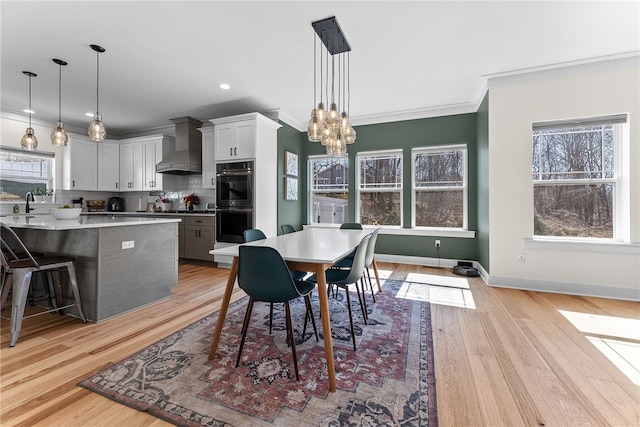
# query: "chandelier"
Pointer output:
{"type": "Point", "coordinates": [331, 127]}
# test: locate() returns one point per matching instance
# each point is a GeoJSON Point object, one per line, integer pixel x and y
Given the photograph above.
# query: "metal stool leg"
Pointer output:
{"type": "Point", "coordinates": [76, 293]}
{"type": "Point", "coordinates": [21, 281]}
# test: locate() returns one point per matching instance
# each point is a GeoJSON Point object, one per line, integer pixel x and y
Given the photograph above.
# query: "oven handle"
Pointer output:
{"type": "Point", "coordinates": [235, 210]}
{"type": "Point", "coordinates": [245, 172]}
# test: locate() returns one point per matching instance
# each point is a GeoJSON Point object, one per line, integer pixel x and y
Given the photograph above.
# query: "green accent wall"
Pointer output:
{"type": "Point", "coordinates": [405, 135]}
{"type": "Point", "coordinates": [482, 234]}
{"type": "Point", "coordinates": [291, 211]}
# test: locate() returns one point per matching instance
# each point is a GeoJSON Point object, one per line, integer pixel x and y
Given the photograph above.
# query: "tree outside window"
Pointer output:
{"type": "Point", "coordinates": [575, 180]}
{"type": "Point", "coordinates": [329, 189]}
{"type": "Point", "coordinates": [440, 187]}
{"type": "Point", "coordinates": [380, 188]}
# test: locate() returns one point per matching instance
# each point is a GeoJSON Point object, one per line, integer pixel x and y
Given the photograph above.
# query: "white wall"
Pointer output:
{"type": "Point", "coordinates": [516, 102]}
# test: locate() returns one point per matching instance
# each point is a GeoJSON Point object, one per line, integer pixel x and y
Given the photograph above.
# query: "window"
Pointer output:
{"type": "Point", "coordinates": [380, 188]}
{"type": "Point", "coordinates": [576, 175]}
{"type": "Point", "coordinates": [23, 171]}
{"type": "Point", "coordinates": [440, 187]}
{"type": "Point", "coordinates": [329, 189]}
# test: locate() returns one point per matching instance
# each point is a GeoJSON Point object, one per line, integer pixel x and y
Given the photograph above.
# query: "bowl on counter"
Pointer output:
{"type": "Point", "coordinates": [65, 213]}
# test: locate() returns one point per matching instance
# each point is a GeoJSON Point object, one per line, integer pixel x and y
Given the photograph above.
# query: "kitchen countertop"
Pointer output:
{"type": "Point", "coordinates": [155, 214]}
{"type": "Point", "coordinates": [48, 222]}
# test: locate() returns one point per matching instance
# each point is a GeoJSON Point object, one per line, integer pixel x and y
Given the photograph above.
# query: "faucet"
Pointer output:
{"type": "Point", "coordinates": [28, 196]}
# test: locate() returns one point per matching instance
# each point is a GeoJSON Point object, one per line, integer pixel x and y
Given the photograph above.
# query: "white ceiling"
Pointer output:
{"type": "Point", "coordinates": [409, 59]}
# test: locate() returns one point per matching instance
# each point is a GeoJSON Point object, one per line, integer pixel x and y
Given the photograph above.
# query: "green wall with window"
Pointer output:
{"type": "Point", "coordinates": [405, 135]}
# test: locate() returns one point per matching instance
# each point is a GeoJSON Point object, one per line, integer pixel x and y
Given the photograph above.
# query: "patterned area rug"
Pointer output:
{"type": "Point", "coordinates": [388, 381]}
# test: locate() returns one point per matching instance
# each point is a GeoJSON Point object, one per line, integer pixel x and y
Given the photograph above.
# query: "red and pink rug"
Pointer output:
{"type": "Point", "coordinates": [389, 380]}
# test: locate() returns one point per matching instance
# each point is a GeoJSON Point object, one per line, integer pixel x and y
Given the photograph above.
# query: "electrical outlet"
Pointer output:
{"type": "Point", "coordinates": [129, 244]}
{"type": "Point", "coordinates": [437, 244]}
{"type": "Point", "coordinates": [522, 258]}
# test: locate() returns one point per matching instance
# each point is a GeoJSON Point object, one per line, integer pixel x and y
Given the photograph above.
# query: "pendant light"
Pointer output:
{"type": "Point", "coordinates": [59, 136]}
{"type": "Point", "coordinates": [97, 131]}
{"type": "Point", "coordinates": [29, 140]}
{"type": "Point", "coordinates": [332, 127]}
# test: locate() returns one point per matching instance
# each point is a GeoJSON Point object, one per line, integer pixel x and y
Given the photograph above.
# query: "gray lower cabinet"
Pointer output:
{"type": "Point", "coordinates": [199, 235]}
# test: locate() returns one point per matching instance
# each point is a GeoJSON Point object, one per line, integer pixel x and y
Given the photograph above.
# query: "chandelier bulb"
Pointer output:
{"type": "Point", "coordinates": [313, 129]}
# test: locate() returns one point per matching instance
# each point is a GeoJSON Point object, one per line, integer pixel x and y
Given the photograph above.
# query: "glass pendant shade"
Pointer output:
{"type": "Point", "coordinates": [313, 130]}
{"type": "Point", "coordinates": [350, 135]}
{"type": "Point", "coordinates": [59, 136]}
{"type": "Point", "coordinates": [333, 117]}
{"type": "Point", "coordinates": [97, 131]}
{"type": "Point", "coordinates": [321, 112]}
{"type": "Point", "coordinates": [29, 140]}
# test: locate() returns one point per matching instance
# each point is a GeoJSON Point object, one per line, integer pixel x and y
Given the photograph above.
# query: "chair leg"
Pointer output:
{"type": "Point", "coordinates": [370, 285]}
{"type": "Point", "coordinates": [270, 317]}
{"type": "Point", "coordinates": [361, 300]}
{"type": "Point", "coordinates": [291, 340]}
{"type": "Point", "coordinates": [6, 287]}
{"type": "Point", "coordinates": [76, 293]}
{"type": "Point", "coordinates": [309, 314]}
{"type": "Point", "coordinates": [353, 333]}
{"type": "Point", "coordinates": [245, 326]}
{"type": "Point", "coordinates": [21, 282]}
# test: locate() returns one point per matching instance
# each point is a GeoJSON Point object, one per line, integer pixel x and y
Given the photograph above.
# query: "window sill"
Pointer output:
{"type": "Point", "coordinates": [397, 231]}
{"type": "Point", "coordinates": [582, 246]}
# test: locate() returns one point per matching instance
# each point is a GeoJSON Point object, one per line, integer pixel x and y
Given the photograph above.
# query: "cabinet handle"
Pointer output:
{"type": "Point", "coordinates": [212, 183]}
{"type": "Point", "coordinates": [73, 183]}
{"type": "Point", "coordinates": [231, 151]}
{"type": "Point", "coordinates": [235, 151]}
{"type": "Point", "coordinates": [199, 233]}
{"type": "Point", "coordinates": [116, 185]}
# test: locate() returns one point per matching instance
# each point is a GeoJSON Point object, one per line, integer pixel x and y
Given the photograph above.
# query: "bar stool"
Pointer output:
{"type": "Point", "coordinates": [18, 273]}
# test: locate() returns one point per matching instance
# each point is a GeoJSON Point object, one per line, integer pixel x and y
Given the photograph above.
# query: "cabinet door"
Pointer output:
{"type": "Point", "coordinates": [225, 142]}
{"type": "Point", "coordinates": [80, 166]}
{"type": "Point", "coordinates": [208, 159]}
{"type": "Point", "coordinates": [131, 167]}
{"type": "Point", "coordinates": [108, 167]}
{"type": "Point", "coordinates": [245, 133]}
{"type": "Point", "coordinates": [152, 156]}
{"type": "Point", "coordinates": [198, 242]}
{"type": "Point", "coordinates": [181, 233]}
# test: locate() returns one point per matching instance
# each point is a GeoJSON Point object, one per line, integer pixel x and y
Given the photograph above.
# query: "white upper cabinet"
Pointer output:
{"type": "Point", "coordinates": [131, 167]}
{"type": "Point", "coordinates": [235, 141]}
{"type": "Point", "coordinates": [79, 164]}
{"type": "Point", "coordinates": [108, 166]}
{"type": "Point", "coordinates": [138, 159]}
{"type": "Point", "coordinates": [208, 158]}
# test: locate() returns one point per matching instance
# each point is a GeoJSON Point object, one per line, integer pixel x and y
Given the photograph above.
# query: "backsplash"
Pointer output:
{"type": "Point", "coordinates": [175, 187]}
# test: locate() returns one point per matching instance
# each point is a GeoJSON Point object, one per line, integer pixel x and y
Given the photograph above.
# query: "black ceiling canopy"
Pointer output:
{"type": "Point", "coordinates": [331, 35]}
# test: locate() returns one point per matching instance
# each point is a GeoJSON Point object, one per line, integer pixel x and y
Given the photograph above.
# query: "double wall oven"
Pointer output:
{"type": "Point", "coordinates": [234, 200]}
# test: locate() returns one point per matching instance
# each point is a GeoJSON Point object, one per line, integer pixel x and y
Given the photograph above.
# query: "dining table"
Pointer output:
{"type": "Point", "coordinates": [311, 249]}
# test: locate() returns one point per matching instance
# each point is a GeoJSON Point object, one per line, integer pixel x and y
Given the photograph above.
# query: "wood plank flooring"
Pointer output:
{"type": "Point", "coordinates": [503, 357]}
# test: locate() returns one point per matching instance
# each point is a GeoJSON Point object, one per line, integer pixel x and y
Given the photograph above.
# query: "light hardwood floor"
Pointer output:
{"type": "Point", "coordinates": [502, 357]}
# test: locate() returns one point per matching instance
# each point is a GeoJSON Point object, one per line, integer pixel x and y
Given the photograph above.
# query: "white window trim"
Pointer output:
{"type": "Point", "coordinates": [394, 152]}
{"type": "Point", "coordinates": [621, 204]}
{"type": "Point", "coordinates": [465, 187]}
{"type": "Point", "coordinates": [311, 191]}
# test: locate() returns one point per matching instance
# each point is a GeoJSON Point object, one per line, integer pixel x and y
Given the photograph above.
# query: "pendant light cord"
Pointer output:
{"type": "Point", "coordinates": [97, 80]}
{"type": "Point", "coordinates": [30, 101]}
{"type": "Point", "coordinates": [59, 93]}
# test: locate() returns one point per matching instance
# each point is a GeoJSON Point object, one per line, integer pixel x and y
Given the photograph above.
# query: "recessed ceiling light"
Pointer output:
{"type": "Point", "coordinates": [88, 114]}
{"type": "Point", "coordinates": [225, 86]}
{"type": "Point", "coordinates": [26, 110]}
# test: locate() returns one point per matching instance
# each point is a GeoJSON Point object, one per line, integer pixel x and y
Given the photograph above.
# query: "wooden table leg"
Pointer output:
{"type": "Point", "coordinates": [231, 280]}
{"type": "Point", "coordinates": [326, 326]}
{"type": "Point", "coordinates": [375, 271]}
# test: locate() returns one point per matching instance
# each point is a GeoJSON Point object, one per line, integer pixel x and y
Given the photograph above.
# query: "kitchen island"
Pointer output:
{"type": "Point", "coordinates": [122, 262]}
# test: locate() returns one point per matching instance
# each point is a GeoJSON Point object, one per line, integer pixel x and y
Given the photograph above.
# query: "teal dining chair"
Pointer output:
{"type": "Point", "coordinates": [287, 229]}
{"type": "Point", "coordinates": [264, 276]}
{"type": "Point", "coordinates": [342, 278]}
{"type": "Point", "coordinates": [253, 234]}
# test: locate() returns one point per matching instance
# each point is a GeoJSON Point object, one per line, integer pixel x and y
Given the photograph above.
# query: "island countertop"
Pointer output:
{"type": "Point", "coordinates": [48, 222]}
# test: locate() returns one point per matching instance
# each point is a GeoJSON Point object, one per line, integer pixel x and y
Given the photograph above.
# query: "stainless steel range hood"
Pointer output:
{"type": "Point", "coordinates": [187, 159]}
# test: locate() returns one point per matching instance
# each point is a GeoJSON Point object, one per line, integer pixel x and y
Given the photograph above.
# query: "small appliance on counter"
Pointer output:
{"type": "Point", "coordinates": [95, 205]}
{"type": "Point", "coordinates": [115, 204]}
